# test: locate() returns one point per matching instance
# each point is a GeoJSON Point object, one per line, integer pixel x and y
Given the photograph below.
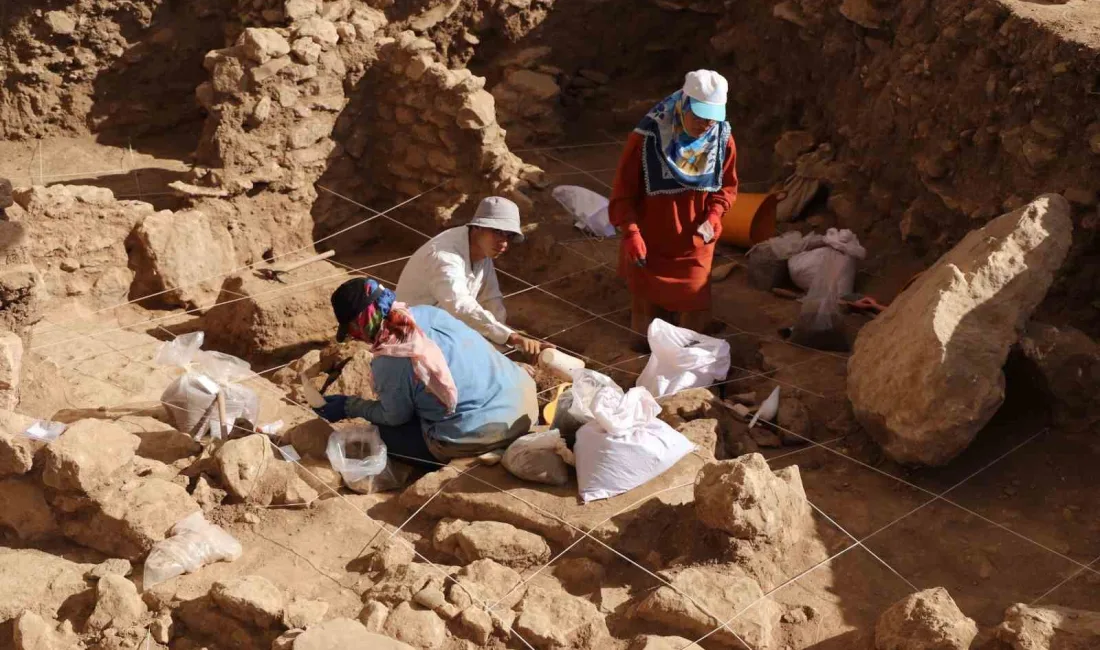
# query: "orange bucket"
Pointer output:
{"type": "Point", "coordinates": [750, 220]}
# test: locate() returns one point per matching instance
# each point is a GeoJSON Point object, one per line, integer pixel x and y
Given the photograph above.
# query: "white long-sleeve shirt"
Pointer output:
{"type": "Point", "coordinates": [440, 274]}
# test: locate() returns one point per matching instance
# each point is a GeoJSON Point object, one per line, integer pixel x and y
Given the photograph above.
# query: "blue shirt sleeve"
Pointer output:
{"type": "Point", "coordinates": [393, 381]}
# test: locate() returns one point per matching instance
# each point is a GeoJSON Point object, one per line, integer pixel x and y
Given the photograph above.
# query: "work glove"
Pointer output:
{"type": "Point", "coordinates": [634, 245]}
{"type": "Point", "coordinates": [335, 408]}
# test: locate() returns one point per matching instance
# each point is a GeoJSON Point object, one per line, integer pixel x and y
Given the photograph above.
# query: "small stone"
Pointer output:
{"type": "Point", "coordinates": [744, 498]}
{"type": "Point", "coordinates": [926, 619]}
{"type": "Point", "coordinates": [32, 632]}
{"type": "Point", "coordinates": [306, 50]}
{"type": "Point", "coordinates": [303, 613]}
{"type": "Point", "coordinates": [296, 10]}
{"type": "Point", "coordinates": [799, 615]}
{"type": "Point", "coordinates": [319, 30]}
{"type": "Point", "coordinates": [250, 599]}
{"type": "Point", "coordinates": [111, 567]}
{"type": "Point", "coordinates": [250, 518]}
{"type": "Point", "coordinates": [392, 554]}
{"type": "Point", "coordinates": [347, 32]}
{"type": "Point", "coordinates": [161, 629]}
{"type": "Point", "coordinates": [69, 265]}
{"type": "Point", "coordinates": [476, 625]}
{"type": "Point", "coordinates": [262, 73]}
{"type": "Point", "coordinates": [420, 628]}
{"type": "Point", "coordinates": [502, 543]}
{"type": "Point", "coordinates": [430, 598]}
{"type": "Point", "coordinates": [118, 604]}
{"type": "Point", "coordinates": [550, 620]}
{"type": "Point", "coordinates": [261, 44]}
{"type": "Point", "coordinates": [262, 111]}
{"type": "Point", "coordinates": [60, 23]}
{"type": "Point", "coordinates": [374, 616]}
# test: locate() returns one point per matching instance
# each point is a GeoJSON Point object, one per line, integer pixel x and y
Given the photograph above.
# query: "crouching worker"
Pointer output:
{"type": "Point", "coordinates": [443, 391]}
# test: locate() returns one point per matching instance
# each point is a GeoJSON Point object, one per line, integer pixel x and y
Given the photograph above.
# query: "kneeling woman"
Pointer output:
{"type": "Point", "coordinates": [443, 391]}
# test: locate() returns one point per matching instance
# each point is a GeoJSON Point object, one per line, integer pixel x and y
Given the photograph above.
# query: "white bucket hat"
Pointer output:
{"type": "Point", "coordinates": [707, 91]}
{"type": "Point", "coordinates": [498, 213]}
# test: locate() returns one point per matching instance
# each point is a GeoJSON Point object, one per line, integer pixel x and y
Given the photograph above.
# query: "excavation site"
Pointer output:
{"type": "Point", "coordinates": [549, 324]}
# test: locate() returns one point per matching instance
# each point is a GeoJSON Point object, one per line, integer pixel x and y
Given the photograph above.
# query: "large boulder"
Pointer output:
{"type": "Point", "coordinates": [344, 634]}
{"type": "Point", "coordinates": [1067, 362]}
{"type": "Point", "coordinates": [744, 498]}
{"type": "Point", "coordinates": [926, 620]}
{"type": "Point", "coordinates": [33, 581]}
{"type": "Point", "coordinates": [182, 256]}
{"type": "Point", "coordinates": [25, 511]}
{"type": "Point", "coordinates": [87, 455]}
{"type": "Point", "coordinates": [726, 592]}
{"type": "Point", "coordinates": [926, 375]}
{"type": "Point", "coordinates": [550, 620]}
{"type": "Point", "coordinates": [258, 316]}
{"type": "Point", "coordinates": [1049, 628]}
{"type": "Point", "coordinates": [251, 473]}
{"type": "Point", "coordinates": [501, 542]}
{"type": "Point", "coordinates": [125, 519]}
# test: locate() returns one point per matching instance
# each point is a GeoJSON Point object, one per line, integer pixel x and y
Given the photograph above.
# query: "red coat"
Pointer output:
{"type": "Point", "coordinates": [676, 276]}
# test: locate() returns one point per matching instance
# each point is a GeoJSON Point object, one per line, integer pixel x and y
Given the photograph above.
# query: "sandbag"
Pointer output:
{"type": "Point", "coordinates": [767, 266]}
{"type": "Point", "coordinates": [682, 359]}
{"type": "Point", "coordinates": [194, 543]}
{"type": "Point", "coordinates": [624, 444]}
{"type": "Point", "coordinates": [537, 457]}
{"type": "Point", "coordinates": [588, 208]}
{"type": "Point", "coordinates": [357, 452]}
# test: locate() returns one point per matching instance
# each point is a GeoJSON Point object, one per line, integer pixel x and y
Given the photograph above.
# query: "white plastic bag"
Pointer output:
{"type": "Point", "coordinates": [194, 543]}
{"type": "Point", "coordinates": [682, 359]}
{"type": "Point", "coordinates": [624, 445]}
{"type": "Point", "coordinates": [804, 267]}
{"type": "Point", "coordinates": [45, 430]}
{"type": "Point", "coordinates": [767, 266]}
{"type": "Point", "coordinates": [191, 400]}
{"type": "Point", "coordinates": [357, 452]}
{"type": "Point", "coordinates": [820, 324]}
{"type": "Point", "coordinates": [536, 457]}
{"type": "Point", "coordinates": [588, 208]}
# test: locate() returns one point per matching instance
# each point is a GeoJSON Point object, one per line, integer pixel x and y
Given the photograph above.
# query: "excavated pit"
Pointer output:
{"type": "Point", "coordinates": [161, 151]}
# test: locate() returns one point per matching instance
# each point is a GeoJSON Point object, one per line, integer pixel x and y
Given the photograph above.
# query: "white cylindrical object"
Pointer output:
{"type": "Point", "coordinates": [560, 363]}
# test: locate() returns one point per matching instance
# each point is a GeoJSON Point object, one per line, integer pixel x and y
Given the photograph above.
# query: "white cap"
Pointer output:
{"type": "Point", "coordinates": [498, 213]}
{"type": "Point", "coordinates": [707, 90]}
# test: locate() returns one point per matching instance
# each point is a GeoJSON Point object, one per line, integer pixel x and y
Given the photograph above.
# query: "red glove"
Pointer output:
{"type": "Point", "coordinates": [634, 245]}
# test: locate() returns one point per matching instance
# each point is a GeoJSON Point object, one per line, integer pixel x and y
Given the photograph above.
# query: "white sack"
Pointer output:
{"type": "Point", "coordinates": [682, 359]}
{"type": "Point", "coordinates": [588, 208]}
{"type": "Point", "coordinates": [535, 457]}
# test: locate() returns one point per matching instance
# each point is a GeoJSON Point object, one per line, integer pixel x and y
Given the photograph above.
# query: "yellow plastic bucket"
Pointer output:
{"type": "Point", "coordinates": [750, 220]}
{"type": "Point", "coordinates": [551, 409]}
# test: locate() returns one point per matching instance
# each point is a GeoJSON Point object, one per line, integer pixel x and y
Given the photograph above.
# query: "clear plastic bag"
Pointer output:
{"type": "Point", "coordinates": [588, 208]}
{"type": "Point", "coordinates": [820, 324]}
{"type": "Point", "coordinates": [537, 457]}
{"type": "Point", "coordinates": [357, 452]}
{"type": "Point", "coordinates": [191, 400]}
{"type": "Point", "coordinates": [805, 267]}
{"type": "Point", "coordinates": [682, 359]}
{"type": "Point", "coordinates": [194, 543]}
{"type": "Point", "coordinates": [767, 267]}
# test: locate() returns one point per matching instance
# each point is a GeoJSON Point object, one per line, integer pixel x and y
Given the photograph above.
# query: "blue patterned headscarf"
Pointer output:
{"type": "Point", "coordinates": [672, 160]}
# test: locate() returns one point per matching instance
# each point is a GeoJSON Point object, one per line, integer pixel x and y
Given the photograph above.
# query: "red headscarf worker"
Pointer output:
{"type": "Point", "coordinates": [676, 179]}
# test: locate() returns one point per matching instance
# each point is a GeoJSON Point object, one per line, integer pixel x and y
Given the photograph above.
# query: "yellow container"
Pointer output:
{"type": "Point", "coordinates": [551, 409]}
{"type": "Point", "coordinates": [750, 220]}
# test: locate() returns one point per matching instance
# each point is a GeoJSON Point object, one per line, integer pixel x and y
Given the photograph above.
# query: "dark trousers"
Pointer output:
{"type": "Point", "coordinates": [405, 443]}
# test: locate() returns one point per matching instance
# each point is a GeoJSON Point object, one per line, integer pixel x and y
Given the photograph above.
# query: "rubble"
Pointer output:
{"type": "Point", "coordinates": [1042, 628]}
{"type": "Point", "coordinates": [420, 628]}
{"type": "Point", "coordinates": [250, 599]}
{"type": "Point", "coordinates": [745, 499]}
{"type": "Point", "coordinates": [924, 620]}
{"type": "Point", "coordinates": [502, 543]}
{"type": "Point", "coordinates": [87, 455]}
{"type": "Point", "coordinates": [251, 473]}
{"type": "Point", "coordinates": [924, 401]}
{"type": "Point", "coordinates": [182, 256]}
{"type": "Point", "coordinates": [550, 620]}
{"type": "Point", "coordinates": [118, 604]}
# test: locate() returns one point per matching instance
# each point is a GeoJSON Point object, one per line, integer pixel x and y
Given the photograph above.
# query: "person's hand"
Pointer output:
{"type": "Point", "coordinates": [635, 246]}
{"type": "Point", "coordinates": [335, 408]}
{"type": "Point", "coordinates": [527, 346]}
{"type": "Point", "coordinates": [715, 222]}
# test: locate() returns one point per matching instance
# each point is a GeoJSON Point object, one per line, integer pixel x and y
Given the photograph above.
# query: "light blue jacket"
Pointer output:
{"type": "Point", "coordinates": [496, 397]}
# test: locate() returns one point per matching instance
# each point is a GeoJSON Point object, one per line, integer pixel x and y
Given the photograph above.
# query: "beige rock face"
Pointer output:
{"type": "Point", "coordinates": [17, 451]}
{"type": "Point", "coordinates": [926, 375]}
{"type": "Point", "coordinates": [252, 474]}
{"type": "Point", "coordinates": [724, 591]}
{"type": "Point", "coordinates": [345, 634]}
{"type": "Point", "coordinates": [25, 510]}
{"type": "Point", "coordinates": [184, 255]}
{"type": "Point", "coordinates": [86, 455]}
{"type": "Point", "coordinates": [1049, 628]}
{"type": "Point", "coordinates": [11, 363]}
{"type": "Point", "coordinates": [420, 628]}
{"type": "Point", "coordinates": [38, 582]}
{"type": "Point", "coordinates": [652, 642]}
{"type": "Point", "coordinates": [118, 604]}
{"type": "Point", "coordinates": [32, 632]}
{"type": "Point", "coordinates": [745, 499]}
{"type": "Point", "coordinates": [125, 519]}
{"type": "Point", "coordinates": [250, 599]}
{"type": "Point", "coordinates": [549, 620]}
{"type": "Point", "coordinates": [926, 620]}
{"type": "Point", "coordinates": [503, 543]}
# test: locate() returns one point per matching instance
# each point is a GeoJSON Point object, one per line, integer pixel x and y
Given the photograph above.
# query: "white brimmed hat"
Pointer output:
{"type": "Point", "coordinates": [498, 213]}
{"type": "Point", "coordinates": [707, 90]}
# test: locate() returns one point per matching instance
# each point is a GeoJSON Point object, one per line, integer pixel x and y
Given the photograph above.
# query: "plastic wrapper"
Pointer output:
{"type": "Point", "coordinates": [682, 359]}
{"type": "Point", "coordinates": [588, 208]}
{"type": "Point", "coordinates": [820, 324]}
{"type": "Point", "coordinates": [537, 457]}
{"type": "Point", "coordinates": [193, 544]}
{"type": "Point", "coordinates": [357, 452]}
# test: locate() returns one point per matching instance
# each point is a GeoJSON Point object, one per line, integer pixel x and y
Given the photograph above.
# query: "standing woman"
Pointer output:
{"type": "Point", "coordinates": [676, 179]}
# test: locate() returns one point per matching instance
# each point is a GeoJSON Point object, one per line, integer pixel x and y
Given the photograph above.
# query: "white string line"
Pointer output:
{"type": "Point", "coordinates": [321, 482]}
{"type": "Point", "coordinates": [582, 171]}
{"type": "Point", "coordinates": [570, 146]}
{"type": "Point", "coordinates": [1064, 581]}
{"type": "Point", "coordinates": [310, 246]}
{"type": "Point", "coordinates": [861, 545]}
{"type": "Point", "coordinates": [555, 280]}
{"type": "Point", "coordinates": [104, 172]}
{"type": "Point", "coordinates": [935, 497]}
{"type": "Point", "coordinates": [174, 315]}
{"type": "Point", "coordinates": [579, 170]}
{"type": "Point", "coordinates": [802, 449]}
